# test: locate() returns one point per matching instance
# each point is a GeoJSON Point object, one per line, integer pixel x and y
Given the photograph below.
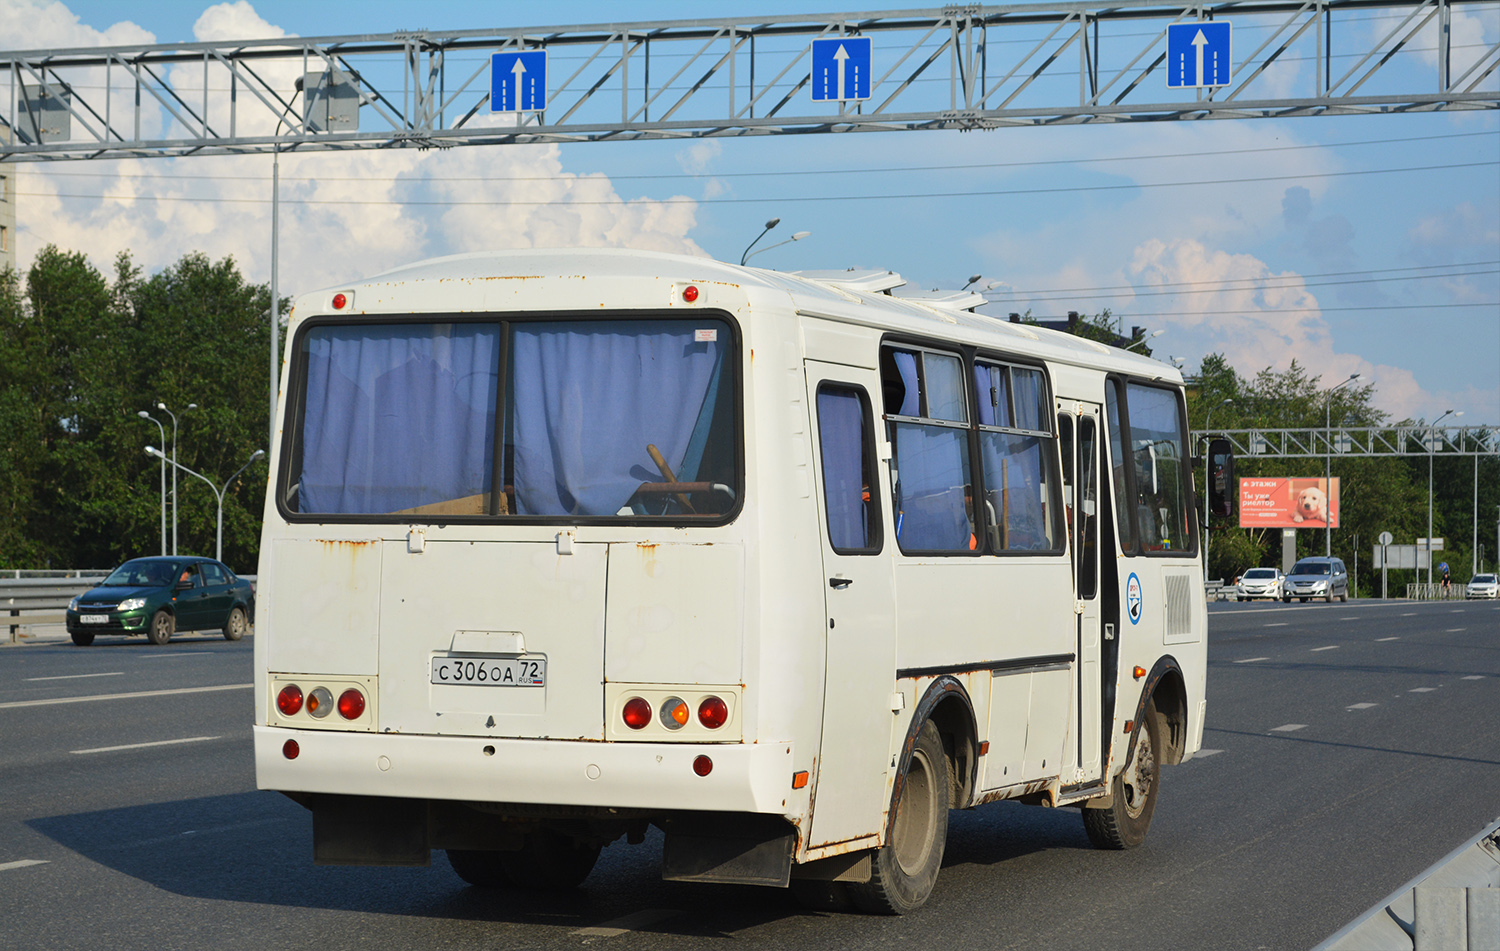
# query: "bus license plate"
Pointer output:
{"type": "Point", "coordinates": [93, 619]}
{"type": "Point", "coordinates": [490, 672]}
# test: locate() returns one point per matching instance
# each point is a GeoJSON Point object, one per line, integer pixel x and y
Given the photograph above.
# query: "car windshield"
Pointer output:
{"type": "Point", "coordinates": [140, 573]}
{"type": "Point", "coordinates": [1260, 574]}
{"type": "Point", "coordinates": [1311, 568]}
{"type": "Point", "coordinates": [1484, 579]}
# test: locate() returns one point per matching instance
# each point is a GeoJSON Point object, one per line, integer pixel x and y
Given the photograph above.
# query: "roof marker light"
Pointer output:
{"type": "Point", "coordinates": [690, 293]}
{"type": "Point", "coordinates": [340, 302]}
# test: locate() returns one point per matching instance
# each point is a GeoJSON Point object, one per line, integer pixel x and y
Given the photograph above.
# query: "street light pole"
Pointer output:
{"type": "Point", "coordinates": [1207, 464]}
{"type": "Point", "coordinates": [218, 493]}
{"type": "Point", "coordinates": [1431, 435]}
{"type": "Point", "coordinates": [769, 225]}
{"type": "Point", "coordinates": [1152, 335]}
{"type": "Point", "coordinates": [175, 467]}
{"type": "Point", "coordinates": [796, 237]}
{"type": "Point", "coordinates": [1328, 463]}
{"type": "Point", "coordinates": [145, 415]}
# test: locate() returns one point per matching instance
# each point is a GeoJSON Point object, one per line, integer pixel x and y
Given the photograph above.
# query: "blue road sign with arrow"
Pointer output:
{"type": "Point", "coordinates": [841, 69]}
{"type": "Point", "coordinates": [1198, 54]}
{"type": "Point", "coordinates": [518, 81]}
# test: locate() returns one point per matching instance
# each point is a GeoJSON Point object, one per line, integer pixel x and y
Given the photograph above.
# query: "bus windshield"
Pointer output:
{"type": "Point", "coordinates": [598, 419]}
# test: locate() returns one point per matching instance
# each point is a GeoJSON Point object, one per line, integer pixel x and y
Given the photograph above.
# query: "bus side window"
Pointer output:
{"type": "Point", "coordinates": [926, 409]}
{"type": "Point", "coordinates": [846, 446]}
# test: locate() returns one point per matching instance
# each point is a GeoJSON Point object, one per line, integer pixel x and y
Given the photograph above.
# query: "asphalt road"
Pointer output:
{"type": "Point", "coordinates": [1355, 745]}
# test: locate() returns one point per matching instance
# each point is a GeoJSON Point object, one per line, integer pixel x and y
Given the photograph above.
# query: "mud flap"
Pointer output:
{"type": "Point", "coordinates": [369, 830]}
{"type": "Point", "coordinates": [732, 848]}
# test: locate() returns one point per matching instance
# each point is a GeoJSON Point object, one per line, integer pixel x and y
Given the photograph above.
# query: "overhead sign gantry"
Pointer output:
{"type": "Point", "coordinates": [958, 67]}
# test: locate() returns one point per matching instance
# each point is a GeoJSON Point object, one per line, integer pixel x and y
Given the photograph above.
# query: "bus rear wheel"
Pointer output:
{"type": "Point", "coordinates": [549, 861]}
{"type": "Point", "coordinates": [904, 870]}
{"type": "Point", "coordinates": [1124, 822]}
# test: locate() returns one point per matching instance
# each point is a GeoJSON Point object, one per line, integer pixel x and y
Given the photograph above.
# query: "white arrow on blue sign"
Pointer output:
{"type": "Point", "coordinates": [841, 69]}
{"type": "Point", "coordinates": [518, 81]}
{"type": "Point", "coordinates": [1198, 54]}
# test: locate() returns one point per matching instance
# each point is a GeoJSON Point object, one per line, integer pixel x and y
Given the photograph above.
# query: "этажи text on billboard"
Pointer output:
{"type": "Point", "coordinates": [1289, 502]}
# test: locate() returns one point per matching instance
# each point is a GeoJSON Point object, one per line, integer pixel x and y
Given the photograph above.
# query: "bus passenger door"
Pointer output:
{"type": "Point", "coordinates": [1078, 427]}
{"type": "Point", "coordinates": [850, 795]}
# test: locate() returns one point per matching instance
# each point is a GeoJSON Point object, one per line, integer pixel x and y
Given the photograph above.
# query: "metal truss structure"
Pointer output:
{"type": "Point", "coordinates": [1351, 442]}
{"type": "Point", "coordinates": [958, 67]}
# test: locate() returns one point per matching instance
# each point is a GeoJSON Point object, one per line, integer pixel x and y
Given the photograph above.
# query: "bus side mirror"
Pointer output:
{"type": "Point", "coordinates": [1221, 484]}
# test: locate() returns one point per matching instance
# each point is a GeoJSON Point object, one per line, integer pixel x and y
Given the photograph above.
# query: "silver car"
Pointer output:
{"type": "Point", "coordinates": [1482, 586]}
{"type": "Point", "coordinates": [1259, 583]}
{"type": "Point", "coordinates": [1324, 578]}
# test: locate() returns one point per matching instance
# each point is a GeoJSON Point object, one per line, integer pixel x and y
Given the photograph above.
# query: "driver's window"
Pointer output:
{"type": "Point", "coordinates": [188, 576]}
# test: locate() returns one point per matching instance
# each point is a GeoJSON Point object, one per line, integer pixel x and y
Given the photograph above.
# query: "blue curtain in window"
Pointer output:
{"type": "Point", "coordinates": [933, 470]}
{"type": "Point", "coordinates": [1013, 480]}
{"type": "Point", "coordinates": [841, 438]}
{"type": "Point", "coordinates": [588, 396]}
{"type": "Point", "coordinates": [1029, 410]}
{"type": "Point", "coordinates": [397, 417]}
{"type": "Point", "coordinates": [994, 399]}
{"type": "Point", "coordinates": [906, 365]}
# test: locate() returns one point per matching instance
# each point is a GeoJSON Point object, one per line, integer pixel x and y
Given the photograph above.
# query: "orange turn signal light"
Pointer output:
{"type": "Point", "coordinates": [799, 779]}
{"type": "Point", "coordinates": [1139, 672]}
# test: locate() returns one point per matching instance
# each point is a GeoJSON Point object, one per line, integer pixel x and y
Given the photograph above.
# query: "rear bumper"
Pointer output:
{"type": "Point", "coordinates": [753, 777]}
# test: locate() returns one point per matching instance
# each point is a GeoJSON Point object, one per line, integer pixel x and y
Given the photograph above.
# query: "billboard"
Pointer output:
{"type": "Point", "coordinates": [1289, 502]}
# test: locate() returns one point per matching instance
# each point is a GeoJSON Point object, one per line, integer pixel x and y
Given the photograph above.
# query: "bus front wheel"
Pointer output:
{"type": "Point", "coordinates": [1124, 822]}
{"type": "Point", "coordinates": [904, 870]}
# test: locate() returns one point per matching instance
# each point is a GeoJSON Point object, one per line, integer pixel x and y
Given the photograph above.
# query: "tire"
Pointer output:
{"type": "Point", "coordinates": [480, 869]}
{"type": "Point", "coordinates": [235, 627]}
{"type": "Point", "coordinates": [548, 861]}
{"type": "Point", "coordinates": [163, 625]}
{"type": "Point", "coordinates": [1303, 600]}
{"type": "Point", "coordinates": [1124, 822]}
{"type": "Point", "coordinates": [1344, 598]}
{"type": "Point", "coordinates": [1286, 599]}
{"type": "Point", "coordinates": [1329, 597]}
{"type": "Point", "coordinates": [905, 869]}
{"type": "Point", "coordinates": [82, 638]}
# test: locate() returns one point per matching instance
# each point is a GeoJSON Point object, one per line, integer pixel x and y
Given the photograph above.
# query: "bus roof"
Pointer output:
{"type": "Point", "coordinates": [868, 297]}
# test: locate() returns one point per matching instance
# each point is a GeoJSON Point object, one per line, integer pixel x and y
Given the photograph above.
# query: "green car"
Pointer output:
{"type": "Point", "coordinates": [160, 596]}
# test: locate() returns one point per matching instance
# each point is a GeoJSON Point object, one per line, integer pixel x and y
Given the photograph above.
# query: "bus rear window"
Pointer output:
{"type": "Point", "coordinates": [599, 419]}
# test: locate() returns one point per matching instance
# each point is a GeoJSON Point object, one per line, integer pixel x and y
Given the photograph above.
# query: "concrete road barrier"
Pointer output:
{"type": "Point", "coordinates": [1453, 906]}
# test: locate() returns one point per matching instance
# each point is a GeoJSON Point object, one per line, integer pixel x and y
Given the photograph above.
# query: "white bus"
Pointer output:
{"type": "Point", "coordinates": [564, 544]}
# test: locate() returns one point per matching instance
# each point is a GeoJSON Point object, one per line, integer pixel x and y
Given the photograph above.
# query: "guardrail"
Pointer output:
{"type": "Point", "coordinates": [42, 597]}
{"type": "Point", "coordinates": [1217, 590]}
{"type": "Point", "coordinates": [1435, 592]}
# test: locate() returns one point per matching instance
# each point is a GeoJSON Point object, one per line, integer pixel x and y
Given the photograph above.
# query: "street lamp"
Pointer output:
{"type": "Point", "coordinates": [1207, 462]}
{"type": "Point", "coordinates": [218, 493]}
{"type": "Point", "coordinates": [163, 408]}
{"type": "Point", "coordinates": [1431, 435]}
{"type": "Point", "coordinates": [1328, 462]}
{"type": "Point", "coordinates": [145, 415]}
{"type": "Point", "coordinates": [769, 225]}
{"type": "Point", "coordinates": [1152, 334]}
{"type": "Point", "coordinates": [796, 237]}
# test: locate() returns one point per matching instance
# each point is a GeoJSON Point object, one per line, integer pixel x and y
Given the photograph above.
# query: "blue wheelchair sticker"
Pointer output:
{"type": "Point", "coordinates": [1133, 598]}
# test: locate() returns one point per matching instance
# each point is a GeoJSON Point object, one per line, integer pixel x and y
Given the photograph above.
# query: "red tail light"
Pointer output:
{"type": "Point", "coordinates": [703, 766]}
{"type": "Point", "coordinates": [351, 704]}
{"type": "Point", "coordinates": [289, 701]}
{"type": "Point", "coordinates": [713, 712]}
{"type": "Point", "coordinates": [637, 713]}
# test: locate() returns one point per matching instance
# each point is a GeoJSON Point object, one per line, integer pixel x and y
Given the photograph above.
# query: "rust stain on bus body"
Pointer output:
{"type": "Point", "coordinates": [647, 551]}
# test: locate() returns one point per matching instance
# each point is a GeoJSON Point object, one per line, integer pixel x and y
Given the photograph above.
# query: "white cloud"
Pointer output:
{"type": "Point", "coordinates": [343, 215]}
{"type": "Point", "coordinates": [1271, 319]}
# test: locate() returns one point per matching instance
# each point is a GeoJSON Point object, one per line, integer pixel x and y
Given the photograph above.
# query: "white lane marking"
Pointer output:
{"type": "Point", "coordinates": [1349, 619]}
{"type": "Point", "coordinates": [627, 924]}
{"type": "Point", "coordinates": [1410, 614]}
{"type": "Point", "coordinates": [1202, 753]}
{"type": "Point", "coordinates": [141, 746]}
{"type": "Point", "coordinates": [1379, 639]}
{"type": "Point", "coordinates": [113, 673]}
{"type": "Point", "coordinates": [23, 863]}
{"type": "Point", "coordinates": [1474, 677]}
{"type": "Point", "coordinates": [1289, 728]}
{"type": "Point", "coordinates": [1421, 690]}
{"type": "Point", "coordinates": [1279, 624]}
{"type": "Point", "coordinates": [1251, 660]}
{"type": "Point", "coordinates": [122, 696]}
{"type": "Point", "coordinates": [172, 656]}
{"type": "Point", "coordinates": [1330, 647]}
{"type": "Point", "coordinates": [1361, 706]}
{"type": "Point", "coordinates": [1455, 630]}
{"type": "Point", "coordinates": [1456, 611]}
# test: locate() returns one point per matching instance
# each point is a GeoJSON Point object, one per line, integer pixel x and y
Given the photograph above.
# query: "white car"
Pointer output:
{"type": "Point", "coordinates": [1259, 583]}
{"type": "Point", "coordinates": [1482, 586]}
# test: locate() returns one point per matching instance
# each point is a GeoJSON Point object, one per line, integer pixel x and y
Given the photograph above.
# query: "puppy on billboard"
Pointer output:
{"type": "Point", "coordinates": [1289, 502]}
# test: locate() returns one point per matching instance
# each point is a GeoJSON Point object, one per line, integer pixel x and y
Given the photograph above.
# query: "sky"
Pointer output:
{"type": "Point", "coordinates": [1366, 244]}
